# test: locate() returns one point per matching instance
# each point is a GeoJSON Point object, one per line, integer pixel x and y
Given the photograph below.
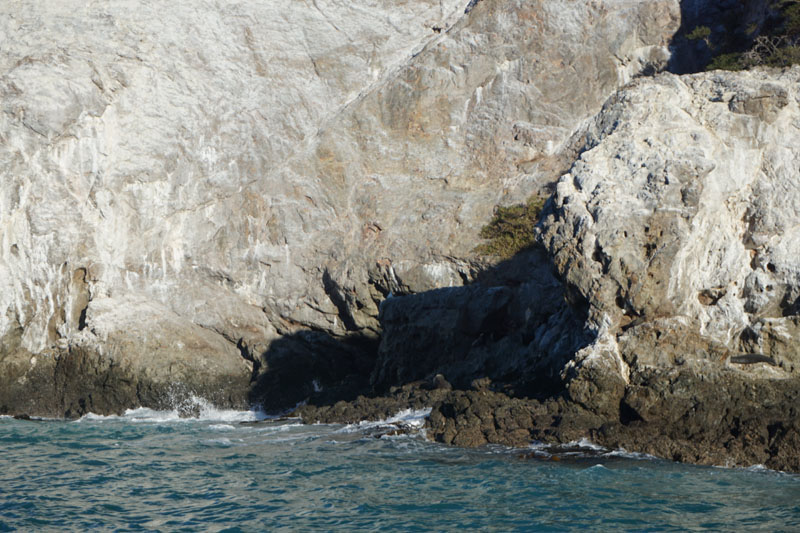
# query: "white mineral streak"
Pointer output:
{"type": "Point", "coordinates": [200, 164]}
{"type": "Point", "coordinates": [144, 141]}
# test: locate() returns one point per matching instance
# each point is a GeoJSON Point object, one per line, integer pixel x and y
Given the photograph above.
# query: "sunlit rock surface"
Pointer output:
{"type": "Point", "coordinates": [677, 222]}
{"type": "Point", "coordinates": [253, 170]}
{"type": "Point", "coordinates": [670, 323]}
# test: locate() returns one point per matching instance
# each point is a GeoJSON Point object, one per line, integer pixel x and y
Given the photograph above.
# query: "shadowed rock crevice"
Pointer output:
{"type": "Point", "coordinates": [705, 26]}
{"type": "Point", "coordinates": [735, 35]}
{"type": "Point", "coordinates": [514, 326]}
{"type": "Point", "coordinates": [312, 366]}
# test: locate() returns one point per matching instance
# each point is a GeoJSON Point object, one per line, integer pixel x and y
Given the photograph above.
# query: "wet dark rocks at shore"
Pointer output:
{"type": "Point", "coordinates": [715, 419]}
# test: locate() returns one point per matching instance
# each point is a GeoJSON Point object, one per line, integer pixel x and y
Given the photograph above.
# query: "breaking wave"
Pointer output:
{"type": "Point", "coordinates": [192, 408]}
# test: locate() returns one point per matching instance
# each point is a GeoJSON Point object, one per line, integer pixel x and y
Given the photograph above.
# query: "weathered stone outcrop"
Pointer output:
{"type": "Point", "coordinates": [257, 170]}
{"type": "Point", "coordinates": [674, 269]}
{"type": "Point", "coordinates": [676, 223]}
{"type": "Point", "coordinates": [158, 359]}
{"type": "Point", "coordinates": [280, 202]}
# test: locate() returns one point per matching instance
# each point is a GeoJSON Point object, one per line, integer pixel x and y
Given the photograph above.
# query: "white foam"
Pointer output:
{"type": "Point", "coordinates": [585, 447]}
{"type": "Point", "coordinates": [221, 427]}
{"type": "Point", "coordinates": [414, 418]}
{"type": "Point", "coordinates": [622, 452]}
{"type": "Point", "coordinates": [144, 414]}
{"type": "Point", "coordinates": [763, 469]}
{"type": "Point", "coordinates": [202, 408]}
{"type": "Point", "coordinates": [586, 443]}
{"type": "Point", "coordinates": [91, 417]}
{"type": "Point", "coordinates": [407, 418]}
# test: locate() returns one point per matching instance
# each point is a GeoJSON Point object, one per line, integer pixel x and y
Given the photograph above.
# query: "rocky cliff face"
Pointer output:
{"type": "Point", "coordinates": [185, 184]}
{"type": "Point", "coordinates": [281, 202]}
{"type": "Point", "coordinates": [675, 224]}
{"type": "Point", "coordinates": [669, 321]}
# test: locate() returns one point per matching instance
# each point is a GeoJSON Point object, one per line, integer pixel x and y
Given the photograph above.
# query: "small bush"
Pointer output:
{"type": "Point", "coordinates": [732, 61]}
{"type": "Point", "coordinates": [511, 229]}
{"type": "Point", "coordinates": [791, 15]}
{"type": "Point", "coordinates": [700, 32]}
{"type": "Point", "coordinates": [778, 44]}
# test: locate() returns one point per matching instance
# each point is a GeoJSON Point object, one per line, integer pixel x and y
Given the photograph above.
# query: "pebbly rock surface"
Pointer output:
{"type": "Point", "coordinates": [188, 183]}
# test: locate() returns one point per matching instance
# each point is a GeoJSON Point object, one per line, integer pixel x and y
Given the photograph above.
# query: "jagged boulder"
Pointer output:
{"type": "Point", "coordinates": [676, 227]}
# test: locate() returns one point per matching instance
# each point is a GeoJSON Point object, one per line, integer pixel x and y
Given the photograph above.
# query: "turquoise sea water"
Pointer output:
{"type": "Point", "coordinates": [152, 471]}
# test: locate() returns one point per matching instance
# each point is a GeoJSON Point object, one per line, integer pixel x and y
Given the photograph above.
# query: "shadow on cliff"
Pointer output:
{"type": "Point", "coordinates": [312, 366]}
{"type": "Point", "coordinates": [516, 324]}
{"type": "Point", "coordinates": [714, 29]}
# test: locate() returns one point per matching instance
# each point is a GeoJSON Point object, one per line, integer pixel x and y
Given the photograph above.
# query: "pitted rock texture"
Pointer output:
{"type": "Point", "coordinates": [674, 257]}
{"type": "Point", "coordinates": [256, 170]}
{"type": "Point", "coordinates": [676, 223]}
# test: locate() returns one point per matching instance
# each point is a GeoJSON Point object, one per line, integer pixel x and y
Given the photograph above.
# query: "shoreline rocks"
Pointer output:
{"type": "Point", "coordinates": [271, 228]}
{"type": "Point", "coordinates": [722, 418]}
{"type": "Point", "coordinates": [672, 254]}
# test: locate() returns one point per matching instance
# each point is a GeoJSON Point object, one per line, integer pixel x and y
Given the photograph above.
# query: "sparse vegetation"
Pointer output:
{"type": "Point", "coordinates": [511, 229]}
{"type": "Point", "coordinates": [775, 44]}
{"type": "Point", "coordinates": [732, 61]}
{"type": "Point", "coordinates": [700, 32]}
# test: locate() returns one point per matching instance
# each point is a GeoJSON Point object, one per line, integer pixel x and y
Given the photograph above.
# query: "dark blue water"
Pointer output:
{"type": "Point", "coordinates": [151, 471]}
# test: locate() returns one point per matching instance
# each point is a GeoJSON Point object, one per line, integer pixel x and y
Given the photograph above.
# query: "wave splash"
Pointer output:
{"type": "Point", "coordinates": [411, 420]}
{"type": "Point", "coordinates": [191, 408]}
{"type": "Point", "coordinates": [582, 449]}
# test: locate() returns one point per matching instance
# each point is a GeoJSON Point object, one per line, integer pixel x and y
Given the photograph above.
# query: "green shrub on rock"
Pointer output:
{"type": "Point", "coordinates": [511, 229]}
{"type": "Point", "coordinates": [732, 61]}
{"type": "Point", "coordinates": [775, 44]}
{"type": "Point", "coordinates": [700, 32]}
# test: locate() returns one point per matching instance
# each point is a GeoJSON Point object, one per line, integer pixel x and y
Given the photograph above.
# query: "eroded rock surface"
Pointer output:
{"type": "Point", "coordinates": [220, 200]}
{"type": "Point", "coordinates": [674, 267]}
{"type": "Point", "coordinates": [675, 225]}
{"type": "Point", "coordinates": [258, 170]}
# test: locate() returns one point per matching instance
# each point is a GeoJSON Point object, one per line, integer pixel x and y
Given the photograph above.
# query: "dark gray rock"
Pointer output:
{"type": "Point", "coordinates": [519, 334]}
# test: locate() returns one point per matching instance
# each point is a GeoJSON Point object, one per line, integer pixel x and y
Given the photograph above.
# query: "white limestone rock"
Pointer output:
{"type": "Point", "coordinates": [256, 169]}
{"type": "Point", "coordinates": [677, 224]}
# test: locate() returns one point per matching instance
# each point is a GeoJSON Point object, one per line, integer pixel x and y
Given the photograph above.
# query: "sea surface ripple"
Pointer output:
{"type": "Point", "coordinates": [231, 471]}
